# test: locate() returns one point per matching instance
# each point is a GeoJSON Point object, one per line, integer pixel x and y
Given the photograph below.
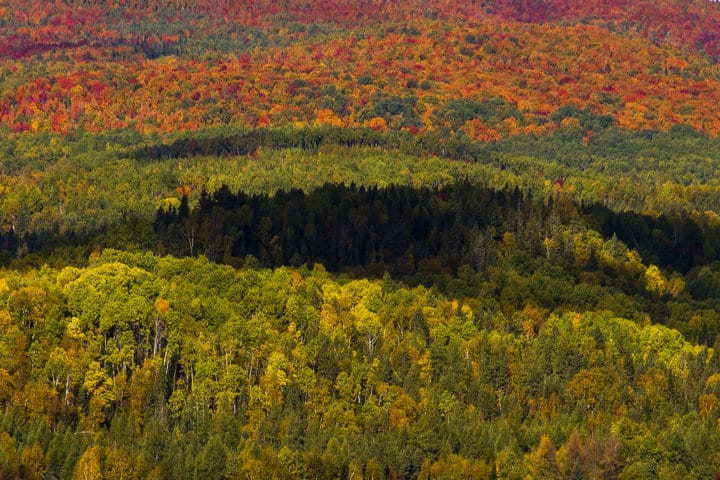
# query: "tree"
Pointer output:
{"type": "Point", "coordinates": [89, 467]}
{"type": "Point", "coordinates": [29, 306]}
{"type": "Point", "coordinates": [32, 463]}
{"type": "Point", "coordinates": [118, 465]}
{"type": "Point", "coordinates": [211, 462]}
{"type": "Point", "coordinates": [542, 463]}
{"type": "Point", "coordinates": [655, 281]}
{"type": "Point", "coordinates": [9, 461]}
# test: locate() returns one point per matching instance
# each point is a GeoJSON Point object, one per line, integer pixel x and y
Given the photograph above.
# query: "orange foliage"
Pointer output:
{"type": "Point", "coordinates": [77, 65]}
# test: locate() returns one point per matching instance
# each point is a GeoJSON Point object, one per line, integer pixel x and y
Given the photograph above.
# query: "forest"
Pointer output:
{"type": "Point", "coordinates": [347, 240]}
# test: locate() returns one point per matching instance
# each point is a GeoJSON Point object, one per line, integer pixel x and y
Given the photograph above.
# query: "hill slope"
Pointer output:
{"type": "Point", "coordinates": [490, 75]}
{"type": "Point", "coordinates": [430, 240]}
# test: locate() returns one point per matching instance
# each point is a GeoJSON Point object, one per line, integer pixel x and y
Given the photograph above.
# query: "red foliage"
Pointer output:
{"type": "Point", "coordinates": [105, 64]}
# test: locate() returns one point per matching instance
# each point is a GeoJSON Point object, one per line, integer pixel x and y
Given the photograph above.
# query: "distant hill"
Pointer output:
{"type": "Point", "coordinates": [489, 70]}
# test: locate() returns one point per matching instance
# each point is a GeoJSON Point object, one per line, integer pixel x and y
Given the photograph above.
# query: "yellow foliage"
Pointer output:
{"type": "Point", "coordinates": [11, 467]}
{"type": "Point", "coordinates": [74, 330]}
{"type": "Point", "coordinates": [713, 380]}
{"type": "Point", "coordinates": [655, 281]}
{"type": "Point", "coordinates": [452, 467]}
{"type": "Point", "coordinates": [162, 306]}
{"type": "Point", "coordinates": [402, 412]}
{"type": "Point", "coordinates": [170, 202]}
{"type": "Point", "coordinates": [277, 368]}
{"type": "Point", "coordinates": [708, 404]}
{"type": "Point", "coordinates": [88, 467]}
{"type": "Point", "coordinates": [33, 462]}
{"type": "Point", "coordinates": [676, 286]}
{"type": "Point", "coordinates": [542, 463]}
{"type": "Point", "coordinates": [586, 385]}
{"type": "Point", "coordinates": [507, 246]}
{"type": "Point", "coordinates": [5, 321]}
{"type": "Point", "coordinates": [425, 364]}
{"type": "Point", "coordinates": [577, 320]}
{"type": "Point", "coordinates": [325, 116]}
{"type": "Point", "coordinates": [570, 122]}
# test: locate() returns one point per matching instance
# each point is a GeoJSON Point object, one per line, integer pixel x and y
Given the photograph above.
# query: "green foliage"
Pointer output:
{"type": "Point", "coordinates": [66, 190]}
{"type": "Point", "coordinates": [169, 368]}
{"type": "Point", "coordinates": [491, 111]}
{"type": "Point", "coordinates": [525, 307]}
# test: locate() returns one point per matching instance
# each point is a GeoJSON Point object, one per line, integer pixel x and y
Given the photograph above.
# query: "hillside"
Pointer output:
{"type": "Point", "coordinates": [153, 69]}
{"type": "Point", "coordinates": [359, 239]}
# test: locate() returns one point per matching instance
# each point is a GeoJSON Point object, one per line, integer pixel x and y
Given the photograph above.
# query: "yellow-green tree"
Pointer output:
{"type": "Point", "coordinates": [89, 466]}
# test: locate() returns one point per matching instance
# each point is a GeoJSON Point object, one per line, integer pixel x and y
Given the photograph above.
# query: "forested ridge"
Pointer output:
{"type": "Point", "coordinates": [70, 184]}
{"type": "Point", "coordinates": [359, 239]}
{"type": "Point", "coordinates": [168, 66]}
{"type": "Point", "coordinates": [154, 367]}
